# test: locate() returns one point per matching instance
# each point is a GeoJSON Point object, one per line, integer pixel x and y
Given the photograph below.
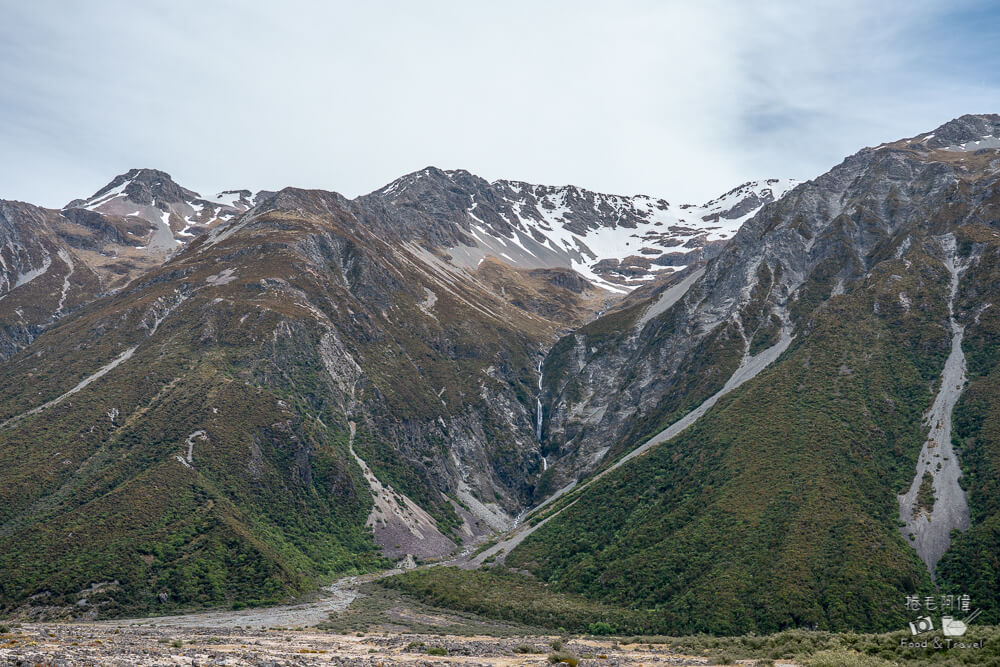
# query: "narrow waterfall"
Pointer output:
{"type": "Point", "coordinates": [538, 404]}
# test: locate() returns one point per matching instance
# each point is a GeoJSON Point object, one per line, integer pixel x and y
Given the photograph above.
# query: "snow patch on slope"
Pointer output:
{"type": "Point", "coordinates": [594, 233]}
{"type": "Point", "coordinates": [988, 141]}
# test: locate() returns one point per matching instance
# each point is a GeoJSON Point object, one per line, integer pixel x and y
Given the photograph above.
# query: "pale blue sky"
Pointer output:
{"type": "Point", "coordinates": [680, 100]}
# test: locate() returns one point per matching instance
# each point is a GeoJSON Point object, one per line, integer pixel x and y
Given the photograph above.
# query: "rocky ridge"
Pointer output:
{"type": "Point", "coordinates": [617, 242]}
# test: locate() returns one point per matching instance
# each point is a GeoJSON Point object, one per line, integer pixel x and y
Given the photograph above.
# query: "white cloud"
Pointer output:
{"type": "Point", "coordinates": [681, 100]}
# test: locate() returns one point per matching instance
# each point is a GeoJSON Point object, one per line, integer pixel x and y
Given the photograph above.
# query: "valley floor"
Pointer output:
{"type": "Point", "coordinates": [109, 644]}
{"type": "Point", "coordinates": [358, 621]}
{"type": "Point", "coordinates": [332, 599]}
{"type": "Point", "coordinates": [354, 621]}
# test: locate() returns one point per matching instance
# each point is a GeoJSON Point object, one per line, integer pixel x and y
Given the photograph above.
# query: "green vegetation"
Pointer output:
{"type": "Point", "coordinates": [601, 628]}
{"type": "Point", "coordinates": [104, 509]}
{"type": "Point", "coordinates": [846, 658]}
{"type": "Point", "coordinates": [496, 595]}
{"type": "Point", "coordinates": [972, 564]}
{"type": "Point", "coordinates": [924, 502]}
{"type": "Point", "coordinates": [378, 606]}
{"type": "Point", "coordinates": [781, 500]}
{"type": "Point", "coordinates": [99, 504]}
{"type": "Point", "coordinates": [512, 597]}
{"type": "Point", "coordinates": [149, 532]}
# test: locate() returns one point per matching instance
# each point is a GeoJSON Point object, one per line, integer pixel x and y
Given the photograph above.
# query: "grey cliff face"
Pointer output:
{"type": "Point", "coordinates": [819, 239]}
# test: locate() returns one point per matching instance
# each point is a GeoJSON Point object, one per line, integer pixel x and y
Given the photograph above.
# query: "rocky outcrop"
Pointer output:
{"type": "Point", "coordinates": [616, 382]}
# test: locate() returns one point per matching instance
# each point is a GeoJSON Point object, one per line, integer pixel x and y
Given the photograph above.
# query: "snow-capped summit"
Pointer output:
{"type": "Point", "coordinates": [616, 241]}
{"type": "Point", "coordinates": [175, 213]}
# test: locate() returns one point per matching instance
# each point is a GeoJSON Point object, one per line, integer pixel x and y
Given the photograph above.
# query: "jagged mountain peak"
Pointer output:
{"type": "Point", "coordinates": [749, 196]}
{"type": "Point", "coordinates": [432, 184]}
{"type": "Point", "coordinates": [616, 241]}
{"type": "Point", "coordinates": [965, 129]}
{"type": "Point", "coordinates": [147, 186]}
{"type": "Point", "coordinates": [967, 133]}
{"type": "Point", "coordinates": [291, 196]}
{"type": "Point", "coordinates": [139, 185]}
{"type": "Point", "coordinates": [174, 213]}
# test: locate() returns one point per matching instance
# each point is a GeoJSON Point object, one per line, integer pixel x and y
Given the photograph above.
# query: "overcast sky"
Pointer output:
{"type": "Point", "coordinates": [682, 100]}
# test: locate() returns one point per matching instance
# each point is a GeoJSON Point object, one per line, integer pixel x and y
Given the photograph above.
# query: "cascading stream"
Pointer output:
{"type": "Point", "coordinates": [538, 405]}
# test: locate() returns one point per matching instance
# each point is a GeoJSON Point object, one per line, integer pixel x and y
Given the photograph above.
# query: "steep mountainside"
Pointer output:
{"type": "Point", "coordinates": [52, 262]}
{"type": "Point", "coordinates": [822, 488]}
{"type": "Point", "coordinates": [275, 388]}
{"type": "Point", "coordinates": [301, 385]}
{"type": "Point", "coordinates": [236, 423]}
{"type": "Point", "coordinates": [249, 397]}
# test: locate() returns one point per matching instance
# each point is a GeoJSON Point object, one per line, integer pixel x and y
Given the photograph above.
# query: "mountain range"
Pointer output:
{"type": "Point", "coordinates": [777, 409]}
{"type": "Point", "coordinates": [97, 245]}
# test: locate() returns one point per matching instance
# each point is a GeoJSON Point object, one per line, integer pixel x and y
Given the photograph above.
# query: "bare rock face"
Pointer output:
{"type": "Point", "coordinates": [145, 186]}
{"type": "Point", "coordinates": [623, 378]}
{"type": "Point", "coordinates": [617, 242]}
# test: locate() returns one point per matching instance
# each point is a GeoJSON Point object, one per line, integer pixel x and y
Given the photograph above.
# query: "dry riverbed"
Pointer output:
{"type": "Point", "coordinates": [59, 644]}
{"type": "Point", "coordinates": [352, 622]}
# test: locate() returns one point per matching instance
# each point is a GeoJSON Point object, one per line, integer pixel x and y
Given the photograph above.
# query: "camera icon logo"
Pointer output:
{"type": "Point", "coordinates": [921, 625]}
